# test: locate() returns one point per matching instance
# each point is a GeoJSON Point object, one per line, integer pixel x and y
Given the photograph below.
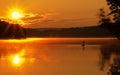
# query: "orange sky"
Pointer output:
{"type": "Point", "coordinates": [55, 13]}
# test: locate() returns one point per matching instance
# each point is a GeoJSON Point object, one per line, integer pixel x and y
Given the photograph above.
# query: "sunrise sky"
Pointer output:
{"type": "Point", "coordinates": [53, 13]}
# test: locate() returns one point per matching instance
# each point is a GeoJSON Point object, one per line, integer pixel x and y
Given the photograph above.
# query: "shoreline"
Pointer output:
{"type": "Point", "coordinates": [88, 41]}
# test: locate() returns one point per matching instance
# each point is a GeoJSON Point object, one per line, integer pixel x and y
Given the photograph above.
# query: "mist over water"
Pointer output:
{"type": "Point", "coordinates": [59, 56]}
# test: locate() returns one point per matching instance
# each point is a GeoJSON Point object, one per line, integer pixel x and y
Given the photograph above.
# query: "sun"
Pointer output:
{"type": "Point", "coordinates": [16, 60]}
{"type": "Point", "coordinates": [16, 15]}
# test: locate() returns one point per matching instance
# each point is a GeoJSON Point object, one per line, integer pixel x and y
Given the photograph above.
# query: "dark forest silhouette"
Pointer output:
{"type": "Point", "coordinates": [112, 24]}
{"type": "Point", "coordinates": [11, 31]}
{"type": "Point", "coordinates": [109, 22]}
{"type": "Point", "coordinates": [93, 31]}
{"type": "Point", "coordinates": [8, 30]}
{"type": "Point", "coordinates": [114, 6]}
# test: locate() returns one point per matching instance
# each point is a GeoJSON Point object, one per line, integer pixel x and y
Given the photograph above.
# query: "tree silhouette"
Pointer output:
{"type": "Point", "coordinates": [112, 23]}
{"type": "Point", "coordinates": [11, 31]}
{"type": "Point", "coordinates": [115, 9]}
{"type": "Point", "coordinates": [104, 17]}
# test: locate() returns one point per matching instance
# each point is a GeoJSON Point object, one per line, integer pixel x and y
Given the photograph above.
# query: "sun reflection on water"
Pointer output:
{"type": "Point", "coordinates": [19, 53]}
{"type": "Point", "coordinates": [17, 59]}
{"type": "Point", "coordinates": [24, 40]}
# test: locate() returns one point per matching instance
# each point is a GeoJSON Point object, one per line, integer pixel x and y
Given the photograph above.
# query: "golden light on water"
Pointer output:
{"type": "Point", "coordinates": [25, 40]}
{"type": "Point", "coordinates": [17, 60]}
{"type": "Point", "coordinates": [20, 58]}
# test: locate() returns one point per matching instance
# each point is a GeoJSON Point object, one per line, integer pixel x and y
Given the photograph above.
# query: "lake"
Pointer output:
{"type": "Point", "coordinates": [59, 56]}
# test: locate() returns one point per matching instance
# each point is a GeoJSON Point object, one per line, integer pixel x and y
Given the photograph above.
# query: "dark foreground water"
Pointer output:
{"type": "Point", "coordinates": [59, 56]}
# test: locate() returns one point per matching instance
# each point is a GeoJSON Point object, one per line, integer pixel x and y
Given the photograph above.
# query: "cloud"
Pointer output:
{"type": "Point", "coordinates": [64, 23]}
{"type": "Point", "coordinates": [29, 18]}
{"type": "Point", "coordinates": [32, 18]}
{"type": "Point", "coordinates": [47, 20]}
{"type": "Point", "coordinates": [5, 19]}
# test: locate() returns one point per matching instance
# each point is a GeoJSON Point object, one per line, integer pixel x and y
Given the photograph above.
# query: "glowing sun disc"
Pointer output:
{"type": "Point", "coordinates": [16, 60]}
{"type": "Point", "coordinates": [16, 15]}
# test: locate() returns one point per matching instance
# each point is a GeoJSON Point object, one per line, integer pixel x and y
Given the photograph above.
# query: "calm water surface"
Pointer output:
{"type": "Point", "coordinates": [59, 56]}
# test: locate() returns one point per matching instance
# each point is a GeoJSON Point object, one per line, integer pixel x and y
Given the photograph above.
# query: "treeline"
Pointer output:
{"type": "Point", "coordinates": [114, 28]}
{"type": "Point", "coordinates": [111, 20]}
{"type": "Point", "coordinates": [11, 31]}
{"type": "Point", "coordinates": [95, 31]}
